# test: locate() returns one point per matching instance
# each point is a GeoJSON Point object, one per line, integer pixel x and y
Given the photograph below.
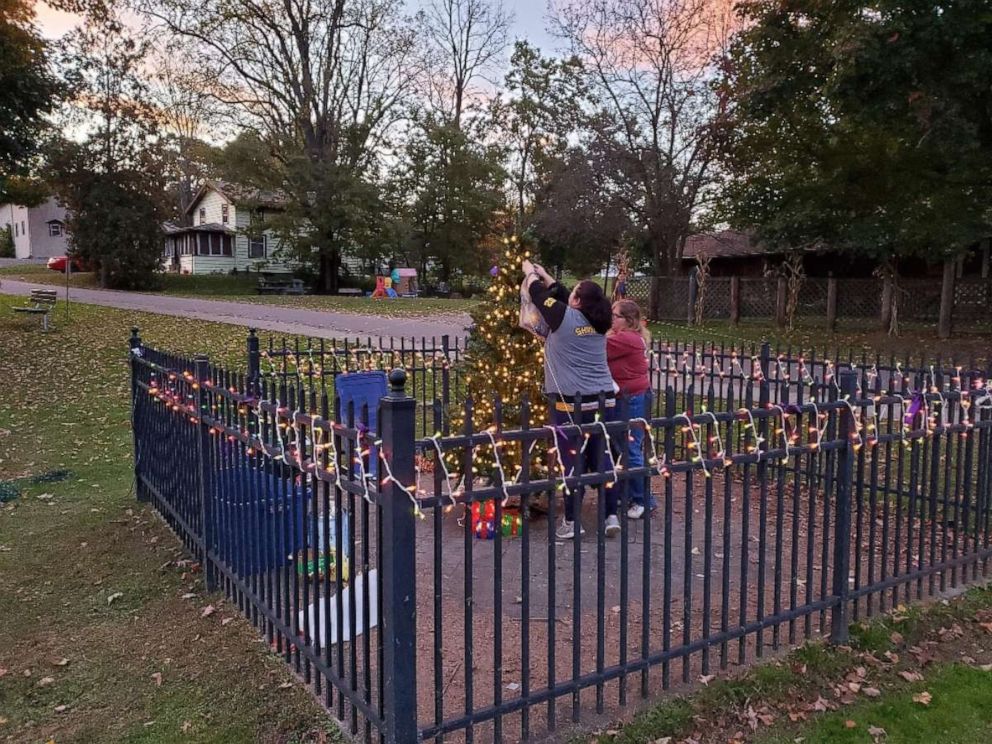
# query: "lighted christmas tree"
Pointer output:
{"type": "Point", "coordinates": [503, 361]}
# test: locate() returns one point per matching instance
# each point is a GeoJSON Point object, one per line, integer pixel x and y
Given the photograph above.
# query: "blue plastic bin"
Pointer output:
{"type": "Point", "coordinates": [362, 389]}
{"type": "Point", "coordinates": [260, 528]}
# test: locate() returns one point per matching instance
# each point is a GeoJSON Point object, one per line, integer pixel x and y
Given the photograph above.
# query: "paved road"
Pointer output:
{"type": "Point", "coordinates": [316, 323]}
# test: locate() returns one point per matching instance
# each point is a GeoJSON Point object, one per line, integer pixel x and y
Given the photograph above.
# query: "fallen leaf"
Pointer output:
{"type": "Point", "coordinates": [285, 685]}
{"type": "Point", "coordinates": [896, 638]}
{"type": "Point", "coordinates": [871, 692]}
{"type": "Point", "coordinates": [186, 727]}
{"type": "Point", "coordinates": [46, 681]}
{"type": "Point", "coordinates": [707, 678]}
{"type": "Point", "coordinates": [208, 611]}
{"type": "Point", "coordinates": [986, 667]}
{"type": "Point", "coordinates": [114, 597]}
{"type": "Point", "coordinates": [663, 740]}
{"type": "Point", "coordinates": [923, 698]}
{"type": "Point", "coordinates": [911, 676]}
{"type": "Point", "coordinates": [876, 731]}
{"type": "Point", "coordinates": [158, 679]}
{"type": "Point", "coordinates": [188, 595]}
{"type": "Point", "coordinates": [853, 686]}
{"type": "Point", "coordinates": [61, 708]}
{"type": "Point", "coordinates": [226, 620]}
{"type": "Point", "coordinates": [61, 662]}
{"type": "Point", "coordinates": [850, 724]}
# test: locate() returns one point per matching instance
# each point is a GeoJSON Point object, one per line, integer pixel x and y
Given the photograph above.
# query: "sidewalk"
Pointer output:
{"type": "Point", "coordinates": [288, 320]}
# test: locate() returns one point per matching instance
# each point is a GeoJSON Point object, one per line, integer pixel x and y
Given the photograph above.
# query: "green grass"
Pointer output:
{"type": "Point", "coordinates": [67, 547]}
{"type": "Point", "coordinates": [241, 288]}
{"type": "Point", "coordinates": [960, 712]}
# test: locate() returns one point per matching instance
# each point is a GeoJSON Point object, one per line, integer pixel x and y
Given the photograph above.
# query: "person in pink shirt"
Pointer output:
{"type": "Point", "coordinates": [628, 353]}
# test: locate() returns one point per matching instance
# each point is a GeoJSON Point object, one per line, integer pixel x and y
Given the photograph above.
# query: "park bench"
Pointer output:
{"type": "Point", "coordinates": [280, 286]}
{"type": "Point", "coordinates": [42, 302]}
{"type": "Point", "coordinates": [350, 292]}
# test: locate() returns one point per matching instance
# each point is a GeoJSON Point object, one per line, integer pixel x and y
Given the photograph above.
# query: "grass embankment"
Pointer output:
{"type": "Point", "coordinates": [916, 675]}
{"type": "Point", "coordinates": [103, 630]}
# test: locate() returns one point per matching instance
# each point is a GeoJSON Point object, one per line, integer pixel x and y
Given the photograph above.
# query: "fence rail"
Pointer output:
{"type": "Point", "coordinates": [795, 494]}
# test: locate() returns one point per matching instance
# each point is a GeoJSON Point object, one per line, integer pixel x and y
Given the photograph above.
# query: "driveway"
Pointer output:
{"type": "Point", "coordinates": [288, 320]}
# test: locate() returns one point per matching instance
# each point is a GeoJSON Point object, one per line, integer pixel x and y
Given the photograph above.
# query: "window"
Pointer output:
{"type": "Point", "coordinates": [223, 213]}
{"type": "Point", "coordinates": [256, 246]}
{"type": "Point", "coordinates": [55, 229]}
{"type": "Point", "coordinates": [204, 245]}
{"type": "Point", "coordinates": [15, 230]}
{"type": "Point", "coordinates": [228, 245]}
{"type": "Point", "coordinates": [203, 215]}
{"type": "Point", "coordinates": [23, 231]}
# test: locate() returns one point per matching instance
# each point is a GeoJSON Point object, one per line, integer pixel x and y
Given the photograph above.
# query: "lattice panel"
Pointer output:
{"type": "Point", "coordinates": [758, 298]}
{"type": "Point", "coordinates": [812, 299]}
{"type": "Point", "coordinates": [716, 303]}
{"type": "Point", "coordinates": [972, 299]}
{"type": "Point", "coordinates": [919, 299]}
{"type": "Point", "coordinates": [859, 298]}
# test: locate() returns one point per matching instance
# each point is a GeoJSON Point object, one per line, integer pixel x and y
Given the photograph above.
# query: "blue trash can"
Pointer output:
{"type": "Point", "coordinates": [363, 389]}
{"type": "Point", "coordinates": [259, 519]}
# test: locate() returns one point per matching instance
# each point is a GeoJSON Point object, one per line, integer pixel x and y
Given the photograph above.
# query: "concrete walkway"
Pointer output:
{"type": "Point", "coordinates": [281, 319]}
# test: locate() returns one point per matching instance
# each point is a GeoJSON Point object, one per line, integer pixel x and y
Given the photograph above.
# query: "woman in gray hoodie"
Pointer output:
{"type": "Point", "coordinates": [575, 366]}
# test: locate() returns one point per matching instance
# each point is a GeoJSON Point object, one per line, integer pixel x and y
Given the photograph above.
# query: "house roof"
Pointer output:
{"type": "Point", "coordinates": [241, 194]}
{"type": "Point", "coordinates": [171, 228]}
{"type": "Point", "coordinates": [722, 244]}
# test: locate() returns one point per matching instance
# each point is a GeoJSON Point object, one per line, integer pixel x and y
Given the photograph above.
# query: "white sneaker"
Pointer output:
{"type": "Point", "coordinates": [636, 511]}
{"type": "Point", "coordinates": [612, 527]}
{"type": "Point", "coordinates": [566, 530]}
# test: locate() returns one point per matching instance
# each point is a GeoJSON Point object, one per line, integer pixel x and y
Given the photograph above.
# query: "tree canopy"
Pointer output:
{"type": "Point", "coordinates": [28, 91]}
{"type": "Point", "coordinates": [862, 125]}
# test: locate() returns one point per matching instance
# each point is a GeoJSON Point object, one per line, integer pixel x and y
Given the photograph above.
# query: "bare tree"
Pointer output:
{"type": "Point", "coordinates": [795, 276]}
{"type": "Point", "coordinates": [652, 65]}
{"type": "Point", "coordinates": [467, 39]}
{"type": "Point", "coordinates": [322, 82]}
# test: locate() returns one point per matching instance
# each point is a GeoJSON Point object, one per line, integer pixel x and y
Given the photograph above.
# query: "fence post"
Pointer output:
{"type": "Point", "coordinates": [397, 421]}
{"type": "Point", "coordinates": [765, 362]}
{"type": "Point", "coordinates": [946, 300]}
{"type": "Point", "coordinates": [254, 364]}
{"type": "Point", "coordinates": [831, 302]}
{"type": "Point", "coordinates": [446, 370]}
{"type": "Point", "coordinates": [735, 300]}
{"type": "Point", "coordinates": [201, 365]}
{"type": "Point", "coordinates": [847, 431]}
{"type": "Point", "coordinates": [134, 343]}
{"type": "Point", "coordinates": [780, 302]}
{"type": "Point", "coordinates": [693, 295]}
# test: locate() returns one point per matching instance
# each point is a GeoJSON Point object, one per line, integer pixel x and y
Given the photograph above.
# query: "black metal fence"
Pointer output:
{"type": "Point", "coordinates": [415, 582]}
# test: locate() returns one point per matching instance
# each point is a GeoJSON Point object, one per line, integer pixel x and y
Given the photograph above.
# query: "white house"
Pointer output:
{"type": "Point", "coordinates": [38, 232]}
{"type": "Point", "coordinates": [227, 231]}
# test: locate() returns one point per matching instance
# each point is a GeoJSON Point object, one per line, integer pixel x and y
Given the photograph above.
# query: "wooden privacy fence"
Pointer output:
{"type": "Point", "coordinates": [414, 585]}
{"type": "Point", "coordinates": [736, 298]}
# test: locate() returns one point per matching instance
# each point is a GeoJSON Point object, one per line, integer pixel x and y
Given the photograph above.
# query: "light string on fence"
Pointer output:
{"type": "Point", "coordinates": [758, 439]}
{"type": "Point", "coordinates": [695, 445]}
{"type": "Point", "coordinates": [411, 491]}
{"type": "Point", "coordinates": [499, 466]}
{"type": "Point", "coordinates": [784, 430]}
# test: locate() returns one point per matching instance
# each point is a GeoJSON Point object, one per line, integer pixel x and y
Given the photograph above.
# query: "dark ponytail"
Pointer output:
{"type": "Point", "coordinates": [594, 304]}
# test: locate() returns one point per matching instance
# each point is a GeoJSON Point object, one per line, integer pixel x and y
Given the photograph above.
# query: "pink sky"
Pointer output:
{"type": "Point", "coordinates": [53, 23]}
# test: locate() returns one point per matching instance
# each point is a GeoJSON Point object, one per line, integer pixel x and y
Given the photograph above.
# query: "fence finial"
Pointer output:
{"type": "Point", "coordinates": [397, 381]}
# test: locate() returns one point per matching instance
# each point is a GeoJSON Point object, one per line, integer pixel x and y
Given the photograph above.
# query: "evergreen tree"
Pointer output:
{"type": "Point", "coordinates": [503, 362]}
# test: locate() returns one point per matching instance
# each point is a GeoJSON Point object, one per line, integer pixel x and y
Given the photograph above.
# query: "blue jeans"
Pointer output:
{"type": "Point", "coordinates": [569, 444]}
{"type": "Point", "coordinates": [639, 407]}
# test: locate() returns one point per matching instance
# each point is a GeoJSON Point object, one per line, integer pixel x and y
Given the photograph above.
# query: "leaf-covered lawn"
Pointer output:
{"type": "Point", "coordinates": [99, 640]}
